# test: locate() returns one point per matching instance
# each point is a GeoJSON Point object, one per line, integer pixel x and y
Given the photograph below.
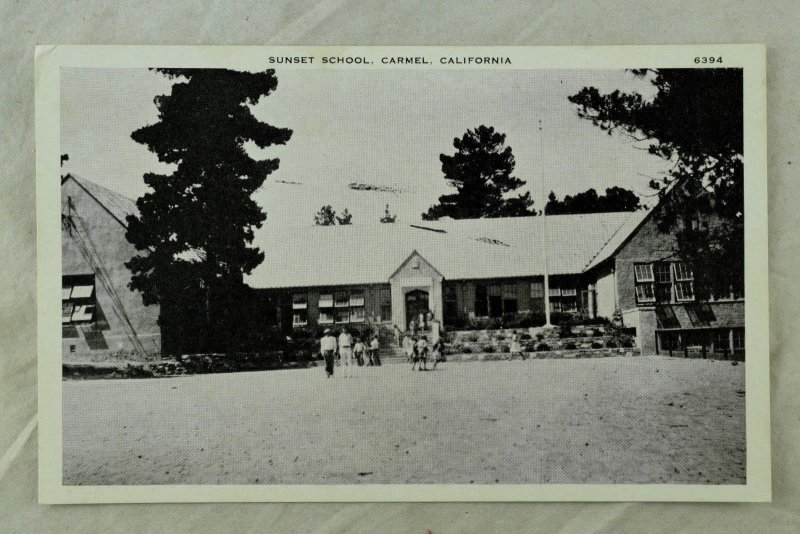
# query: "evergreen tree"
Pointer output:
{"type": "Point", "coordinates": [326, 216]}
{"type": "Point", "coordinates": [696, 121]}
{"type": "Point", "coordinates": [615, 199]}
{"type": "Point", "coordinates": [345, 218]}
{"type": "Point", "coordinates": [481, 170]}
{"type": "Point", "coordinates": [195, 225]}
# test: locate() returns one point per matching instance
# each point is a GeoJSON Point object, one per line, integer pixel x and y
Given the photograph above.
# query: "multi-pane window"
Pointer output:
{"type": "Point", "coordinates": [481, 301]}
{"type": "Point", "coordinates": [537, 296]}
{"type": "Point", "coordinates": [684, 282]}
{"type": "Point", "coordinates": [325, 308]}
{"type": "Point", "coordinates": [722, 340]}
{"type": "Point", "coordinates": [300, 309]}
{"type": "Point", "coordinates": [663, 282]}
{"type": "Point", "coordinates": [450, 303]}
{"type": "Point", "coordinates": [342, 307]}
{"type": "Point", "coordinates": [569, 299]}
{"type": "Point", "coordinates": [77, 299]}
{"type": "Point", "coordinates": [386, 304]}
{"type": "Point", "coordinates": [645, 282]}
{"type": "Point", "coordinates": [738, 338]}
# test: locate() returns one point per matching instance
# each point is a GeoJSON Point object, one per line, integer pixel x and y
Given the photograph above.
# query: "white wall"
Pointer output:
{"type": "Point", "coordinates": [606, 294]}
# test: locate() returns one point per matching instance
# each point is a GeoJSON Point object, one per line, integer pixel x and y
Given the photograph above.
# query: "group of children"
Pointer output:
{"type": "Point", "coordinates": [418, 352]}
{"type": "Point", "coordinates": [347, 354]}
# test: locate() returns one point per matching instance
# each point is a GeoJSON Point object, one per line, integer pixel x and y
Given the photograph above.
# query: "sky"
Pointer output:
{"type": "Point", "coordinates": [382, 127]}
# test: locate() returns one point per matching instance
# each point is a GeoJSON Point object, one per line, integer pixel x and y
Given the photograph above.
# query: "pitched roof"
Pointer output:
{"type": "Point", "coordinates": [699, 315]}
{"type": "Point", "coordinates": [117, 205]}
{"type": "Point", "coordinates": [619, 237]}
{"type": "Point", "coordinates": [459, 249]}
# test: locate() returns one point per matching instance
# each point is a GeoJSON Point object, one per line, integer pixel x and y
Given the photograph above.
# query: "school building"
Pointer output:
{"type": "Point", "coordinates": [596, 264]}
{"type": "Point", "coordinates": [459, 270]}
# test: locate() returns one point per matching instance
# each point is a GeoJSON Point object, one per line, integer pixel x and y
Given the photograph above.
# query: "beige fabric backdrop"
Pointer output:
{"type": "Point", "coordinates": [407, 22]}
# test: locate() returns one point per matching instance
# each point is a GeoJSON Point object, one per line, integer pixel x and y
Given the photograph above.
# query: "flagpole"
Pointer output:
{"type": "Point", "coordinates": [547, 323]}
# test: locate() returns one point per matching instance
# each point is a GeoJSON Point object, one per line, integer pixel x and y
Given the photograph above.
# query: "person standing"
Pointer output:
{"type": "Point", "coordinates": [422, 353]}
{"type": "Point", "coordinates": [412, 327]}
{"type": "Point", "coordinates": [422, 325]}
{"type": "Point", "coordinates": [437, 352]}
{"type": "Point", "coordinates": [408, 347]}
{"type": "Point", "coordinates": [398, 336]}
{"type": "Point", "coordinates": [346, 352]}
{"type": "Point", "coordinates": [327, 346]}
{"type": "Point", "coordinates": [358, 352]}
{"type": "Point", "coordinates": [374, 346]}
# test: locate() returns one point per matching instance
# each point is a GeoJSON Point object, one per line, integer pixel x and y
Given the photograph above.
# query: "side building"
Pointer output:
{"type": "Point", "coordinates": [99, 313]}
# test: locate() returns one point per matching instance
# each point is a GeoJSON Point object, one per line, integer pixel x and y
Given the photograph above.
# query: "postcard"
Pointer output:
{"type": "Point", "coordinates": [306, 274]}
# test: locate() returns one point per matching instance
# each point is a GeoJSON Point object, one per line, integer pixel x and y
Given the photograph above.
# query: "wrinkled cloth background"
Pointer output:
{"type": "Point", "coordinates": [406, 22]}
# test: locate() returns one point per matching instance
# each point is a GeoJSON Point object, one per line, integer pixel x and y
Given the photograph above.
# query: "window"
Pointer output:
{"type": "Point", "coordinates": [644, 293]}
{"type": "Point", "coordinates": [326, 300]}
{"type": "Point", "coordinates": [684, 291]}
{"type": "Point", "coordinates": [82, 313]}
{"type": "Point", "coordinates": [645, 290]}
{"type": "Point", "coordinates": [661, 273]}
{"type": "Point", "coordinates": [341, 299]}
{"type": "Point", "coordinates": [386, 304]}
{"type": "Point", "coordinates": [738, 338]}
{"type": "Point", "coordinates": [555, 292]}
{"type": "Point", "coordinates": [300, 301]}
{"type": "Point", "coordinates": [78, 302]}
{"type": "Point", "coordinates": [450, 303]}
{"type": "Point", "coordinates": [537, 290]}
{"type": "Point", "coordinates": [481, 301]}
{"type": "Point", "coordinates": [568, 292]}
{"type": "Point", "coordinates": [357, 315]}
{"type": "Point", "coordinates": [300, 317]}
{"type": "Point", "coordinates": [342, 315]}
{"type": "Point", "coordinates": [644, 272]}
{"type": "Point", "coordinates": [325, 316]}
{"type": "Point", "coordinates": [682, 272]}
{"type": "Point", "coordinates": [555, 305]}
{"type": "Point", "coordinates": [66, 312]}
{"type": "Point", "coordinates": [722, 340]}
{"type": "Point", "coordinates": [356, 298]}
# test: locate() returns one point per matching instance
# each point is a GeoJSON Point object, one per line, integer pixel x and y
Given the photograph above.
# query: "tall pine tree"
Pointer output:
{"type": "Point", "coordinates": [481, 170]}
{"type": "Point", "coordinates": [195, 225]}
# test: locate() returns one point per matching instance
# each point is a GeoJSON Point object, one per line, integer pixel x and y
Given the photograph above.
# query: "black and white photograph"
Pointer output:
{"type": "Point", "coordinates": [375, 269]}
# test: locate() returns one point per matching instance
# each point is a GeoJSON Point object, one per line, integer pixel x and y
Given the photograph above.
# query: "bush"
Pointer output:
{"type": "Point", "coordinates": [489, 349]}
{"type": "Point", "coordinates": [471, 338]}
{"type": "Point", "coordinates": [542, 347]}
{"type": "Point", "coordinates": [466, 350]}
{"type": "Point", "coordinates": [597, 345]}
{"type": "Point", "coordinates": [611, 344]}
{"type": "Point", "coordinates": [565, 331]}
{"type": "Point", "coordinates": [570, 346]}
{"type": "Point", "coordinates": [525, 337]}
{"type": "Point", "coordinates": [504, 348]}
{"type": "Point", "coordinates": [626, 342]}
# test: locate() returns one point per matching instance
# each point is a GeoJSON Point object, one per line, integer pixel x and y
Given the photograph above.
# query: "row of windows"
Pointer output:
{"type": "Point", "coordinates": [663, 282]}
{"type": "Point", "coordinates": [77, 299]}
{"type": "Point", "coordinates": [495, 300]}
{"type": "Point", "coordinates": [343, 306]}
{"type": "Point", "coordinates": [722, 339]}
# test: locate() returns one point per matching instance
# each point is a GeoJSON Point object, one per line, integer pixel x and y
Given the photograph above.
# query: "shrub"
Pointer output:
{"type": "Point", "coordinates": [539, 337]}
{"type": "Point", "coordinates": [489, 349]}
{"type": "Point", "coordinates": [471, 338]}
{"type": "Point", "coordinates": [597, 345]}
{"type": "Point", "coordinates": [524, 337]}
{"type": "Point", "coordinates": [565, 331]}
{"type": "Point", "coordinates": [612, 344]}
{"type": "Point", "coordinates": [504, 348]}
{"type": "Point", "coordinates": [529, 347]}
{"type": "Point", "coordinates": [542, 347]}
{"type": "Point", "coordinates": [570, 346]}
{"type": "Point", "coordinates": [626, 342]}
{"type": "Point", "coordinates": [466, 350]}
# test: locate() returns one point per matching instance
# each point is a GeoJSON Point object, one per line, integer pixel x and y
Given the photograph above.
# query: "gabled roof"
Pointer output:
{"type": "Point", "coordinates": [118, 206]}
{"type": "Point", "coordinates": [459, 249]}
{"type": "Point", "coordinates": [619, 238]}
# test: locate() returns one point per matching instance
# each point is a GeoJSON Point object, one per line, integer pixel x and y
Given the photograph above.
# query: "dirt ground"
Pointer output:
{"type": "Point", "coordinates": [605, 420]}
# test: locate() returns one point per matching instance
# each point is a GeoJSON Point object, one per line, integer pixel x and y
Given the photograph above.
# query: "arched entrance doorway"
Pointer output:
{"type": "Point", "coordinates": [416, 303]}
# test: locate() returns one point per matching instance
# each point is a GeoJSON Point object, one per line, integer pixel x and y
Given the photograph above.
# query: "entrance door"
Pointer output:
{"type": "Point", "coordinates": [416, 303]}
